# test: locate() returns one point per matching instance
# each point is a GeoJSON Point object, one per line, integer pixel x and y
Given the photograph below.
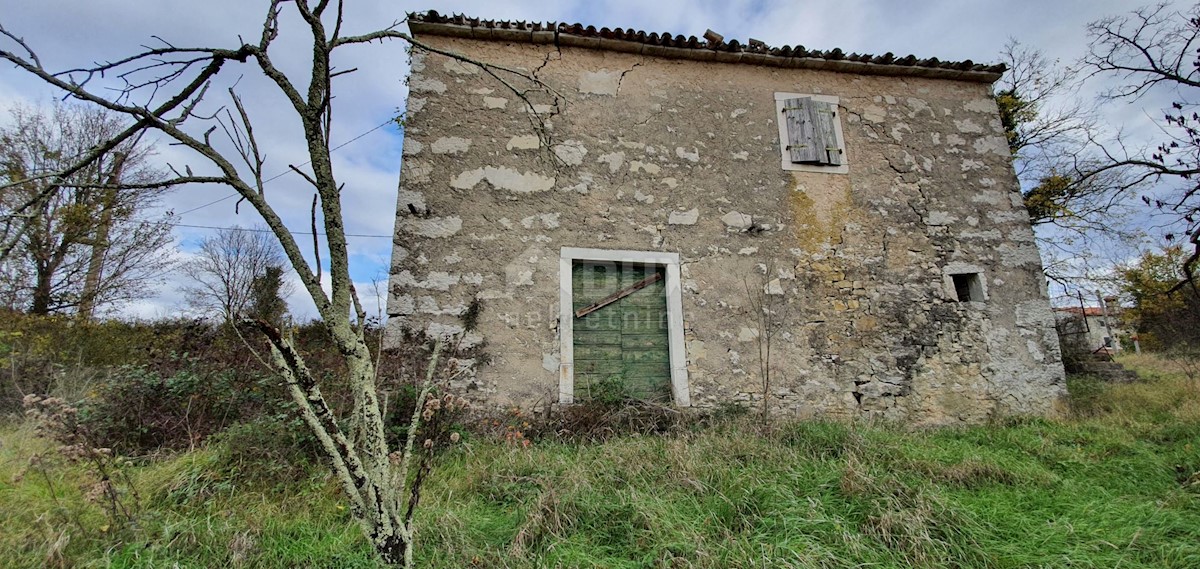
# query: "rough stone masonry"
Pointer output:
{"type": "Point", "coordinates": [902, 283]}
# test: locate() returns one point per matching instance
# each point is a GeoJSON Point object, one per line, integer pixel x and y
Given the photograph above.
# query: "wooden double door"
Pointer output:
{"type": "Point", "coordinates": [620, 331]}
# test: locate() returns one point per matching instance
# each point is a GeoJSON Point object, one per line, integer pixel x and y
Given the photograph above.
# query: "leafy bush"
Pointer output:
{"type": "Point", "coordinates": [140, 410]}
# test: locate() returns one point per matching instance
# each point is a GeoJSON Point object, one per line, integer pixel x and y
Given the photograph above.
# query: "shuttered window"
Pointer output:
{"type": "Point", "coordinates": [812, 132]}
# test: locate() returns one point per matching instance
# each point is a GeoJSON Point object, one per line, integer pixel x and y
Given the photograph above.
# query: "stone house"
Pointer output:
{"type": "Point", "coordinates": [1092, 328]}
{"type": "Point", "coordinates": [657, 214]}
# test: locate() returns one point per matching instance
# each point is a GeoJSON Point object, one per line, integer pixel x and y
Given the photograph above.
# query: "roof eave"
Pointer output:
{"type": "Point", "coordinates": [542, 36]}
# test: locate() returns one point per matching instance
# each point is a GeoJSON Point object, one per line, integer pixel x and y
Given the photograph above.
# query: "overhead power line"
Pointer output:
{"type": "Point", "coordinates": [254, 230]}
{"type": "Point", "coordinates": [286, 172]}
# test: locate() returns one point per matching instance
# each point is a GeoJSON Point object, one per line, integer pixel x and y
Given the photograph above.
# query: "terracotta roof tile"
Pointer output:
{"type": "Point", "coordinates": [691, 47]}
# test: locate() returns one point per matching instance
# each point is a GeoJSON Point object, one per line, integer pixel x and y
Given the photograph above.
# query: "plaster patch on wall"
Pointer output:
{"type": "Point", "coordinates": [992, 197]}
{"type": "Point", "coordinates": [743, 155]}
{"type": "Point", "coordinates": [432, 227]}
{"type": "Point", "coordinates": [773, 288]}
{"type": "Point", "coordinates": [981, 106]}
{"type": "Point", "coordinates": [968, 125]}
{"type": "Point", "coordinates": [1019, 254]}
{"type": "Point", "coordinates": [459, 68]}
{"type": "Point", "coordinates": [688, 217]}
{"type": "Point", "coordinates": [416, 172]}
{"type": "Point", "coordinates": [988, 235]}
{"type": "Point", "coordinates": [647, 167]}
{"type": "Point", "coordinates": [436, 280]}
{"type": "Point", "coordinates": [918, 106]}
{"type": "Point", "coordinates": [603, 82]}
{"type": "Point", "coordinates": [412, 147]}
{"type": "Point", "coordinates": [439, 330]}
{"type": "Point", "coordinates": [993, 144]}
{"type": "Point", "coordinates": [415, 105]}
{"type": "Point", "coordinates": [523, 142]}
{"type": "Point", "coordinates": [1001, 217]}
{"type": "Point", "coordinates": [503, 178]}
{"type": "Point", "coordinates": [518, 276]}
{"type": "Point", "coordinates": [738, 221]}
{"type": "Point", "coordinates": [402, 305]}
{"type": "Point", "coordinates": [426, 86]}
{"type": "Point", "coordinates": [693, 156]}
{"type": "Point", "coordinates": [418, 61]}
{"type": "Point", "coordinates": [969, 164]}
{"type": "Point", "coordinates": [406, 197]}
{"type": "Point", "coordinates": [429, 305]}
{"type": "Point", "coordinates": [451, 145]}
{"type": "Point", "coordinates": [547, 220]}
{"type": "Point", "coordinates": [940, 218]}
{"type": "Point", "coordinates": [613, 159]}
{"type": "Point", "coordinates": [580, 188]}
{"type": "Point", "coordinates": [874, 113]}
{"type": "Point", "coordinates": [494, 102]}
{"type": "Point", "coordinates": [571, 152]}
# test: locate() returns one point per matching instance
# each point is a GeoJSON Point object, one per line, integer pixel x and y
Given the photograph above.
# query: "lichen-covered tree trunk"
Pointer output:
{"type": "Point", "coordinates": [382, 485]}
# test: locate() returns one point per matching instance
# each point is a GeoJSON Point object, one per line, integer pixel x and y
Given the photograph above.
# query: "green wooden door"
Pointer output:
{"type": "Point", "coordinates": [621, 350]}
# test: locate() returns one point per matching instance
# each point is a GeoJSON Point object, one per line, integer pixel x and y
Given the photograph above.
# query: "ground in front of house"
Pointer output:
{"type": "Point", "coordinates": [1115, 485]}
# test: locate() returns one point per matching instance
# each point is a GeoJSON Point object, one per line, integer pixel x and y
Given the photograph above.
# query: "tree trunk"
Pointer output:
{"type": "Point", "coordinates": [392, 549]}
{"type": "Point", "coordinates": [91, 281]}
{"type": "Point", "coordinates": [41, 293]}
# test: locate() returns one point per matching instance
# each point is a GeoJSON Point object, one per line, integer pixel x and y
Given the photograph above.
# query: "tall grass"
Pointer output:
{"type": "Point", "coordinates": [1115, 485]}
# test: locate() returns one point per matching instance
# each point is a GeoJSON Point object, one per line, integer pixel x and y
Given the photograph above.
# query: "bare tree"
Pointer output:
{"type": "Point", "coordinates": [225, 269]}
{"type": "Point", "coordinates": [85, 241]}
{"type": "Point", "coordinates": [1051, 133]}
{"type": "Point", "coordinates": [1153, 51]}
{"type": "Point", "coordinates": [170, 83]}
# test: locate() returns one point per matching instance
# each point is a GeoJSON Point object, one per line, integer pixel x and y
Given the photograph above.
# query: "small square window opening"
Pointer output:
{"type": "Point", "coordinates": [968, 287]}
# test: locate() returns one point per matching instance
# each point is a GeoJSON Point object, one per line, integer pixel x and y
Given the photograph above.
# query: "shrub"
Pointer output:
{"type": "Point", "coordinates": [139, 410]}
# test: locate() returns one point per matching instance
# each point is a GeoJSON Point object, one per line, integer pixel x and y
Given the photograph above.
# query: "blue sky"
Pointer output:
{"type": "Point", "coordinates": [72, 33]}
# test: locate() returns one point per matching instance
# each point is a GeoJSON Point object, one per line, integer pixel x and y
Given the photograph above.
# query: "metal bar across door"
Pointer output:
{"type": "Point", "coordinates": [618, 295]}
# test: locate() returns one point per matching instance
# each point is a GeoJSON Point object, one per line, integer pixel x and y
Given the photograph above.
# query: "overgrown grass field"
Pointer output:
{"type": "Point", "coordinates": [1116, 484]}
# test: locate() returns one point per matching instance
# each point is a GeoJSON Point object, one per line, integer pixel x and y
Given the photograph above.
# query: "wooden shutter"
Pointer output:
{"type": "Point", "coordinates": [801, 131]}
{"type": "Point", "coordinates": [812, 138]}
{"type": "Point", "coordinates": [825, 135]}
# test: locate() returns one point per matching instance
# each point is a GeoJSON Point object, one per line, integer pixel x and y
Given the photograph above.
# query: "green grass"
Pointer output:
{"type": "Point", "coordinates": [1116, 485]}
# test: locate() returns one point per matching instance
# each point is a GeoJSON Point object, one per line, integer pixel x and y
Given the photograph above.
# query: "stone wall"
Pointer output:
{"type": "Point", "coordinates": [643, 153]}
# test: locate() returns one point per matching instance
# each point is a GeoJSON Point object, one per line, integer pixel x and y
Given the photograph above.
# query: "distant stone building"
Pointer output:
{"type": "Point", "coordinates": [1092, 328]}
{"type": "Point", "coordinates": [665, 210]}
